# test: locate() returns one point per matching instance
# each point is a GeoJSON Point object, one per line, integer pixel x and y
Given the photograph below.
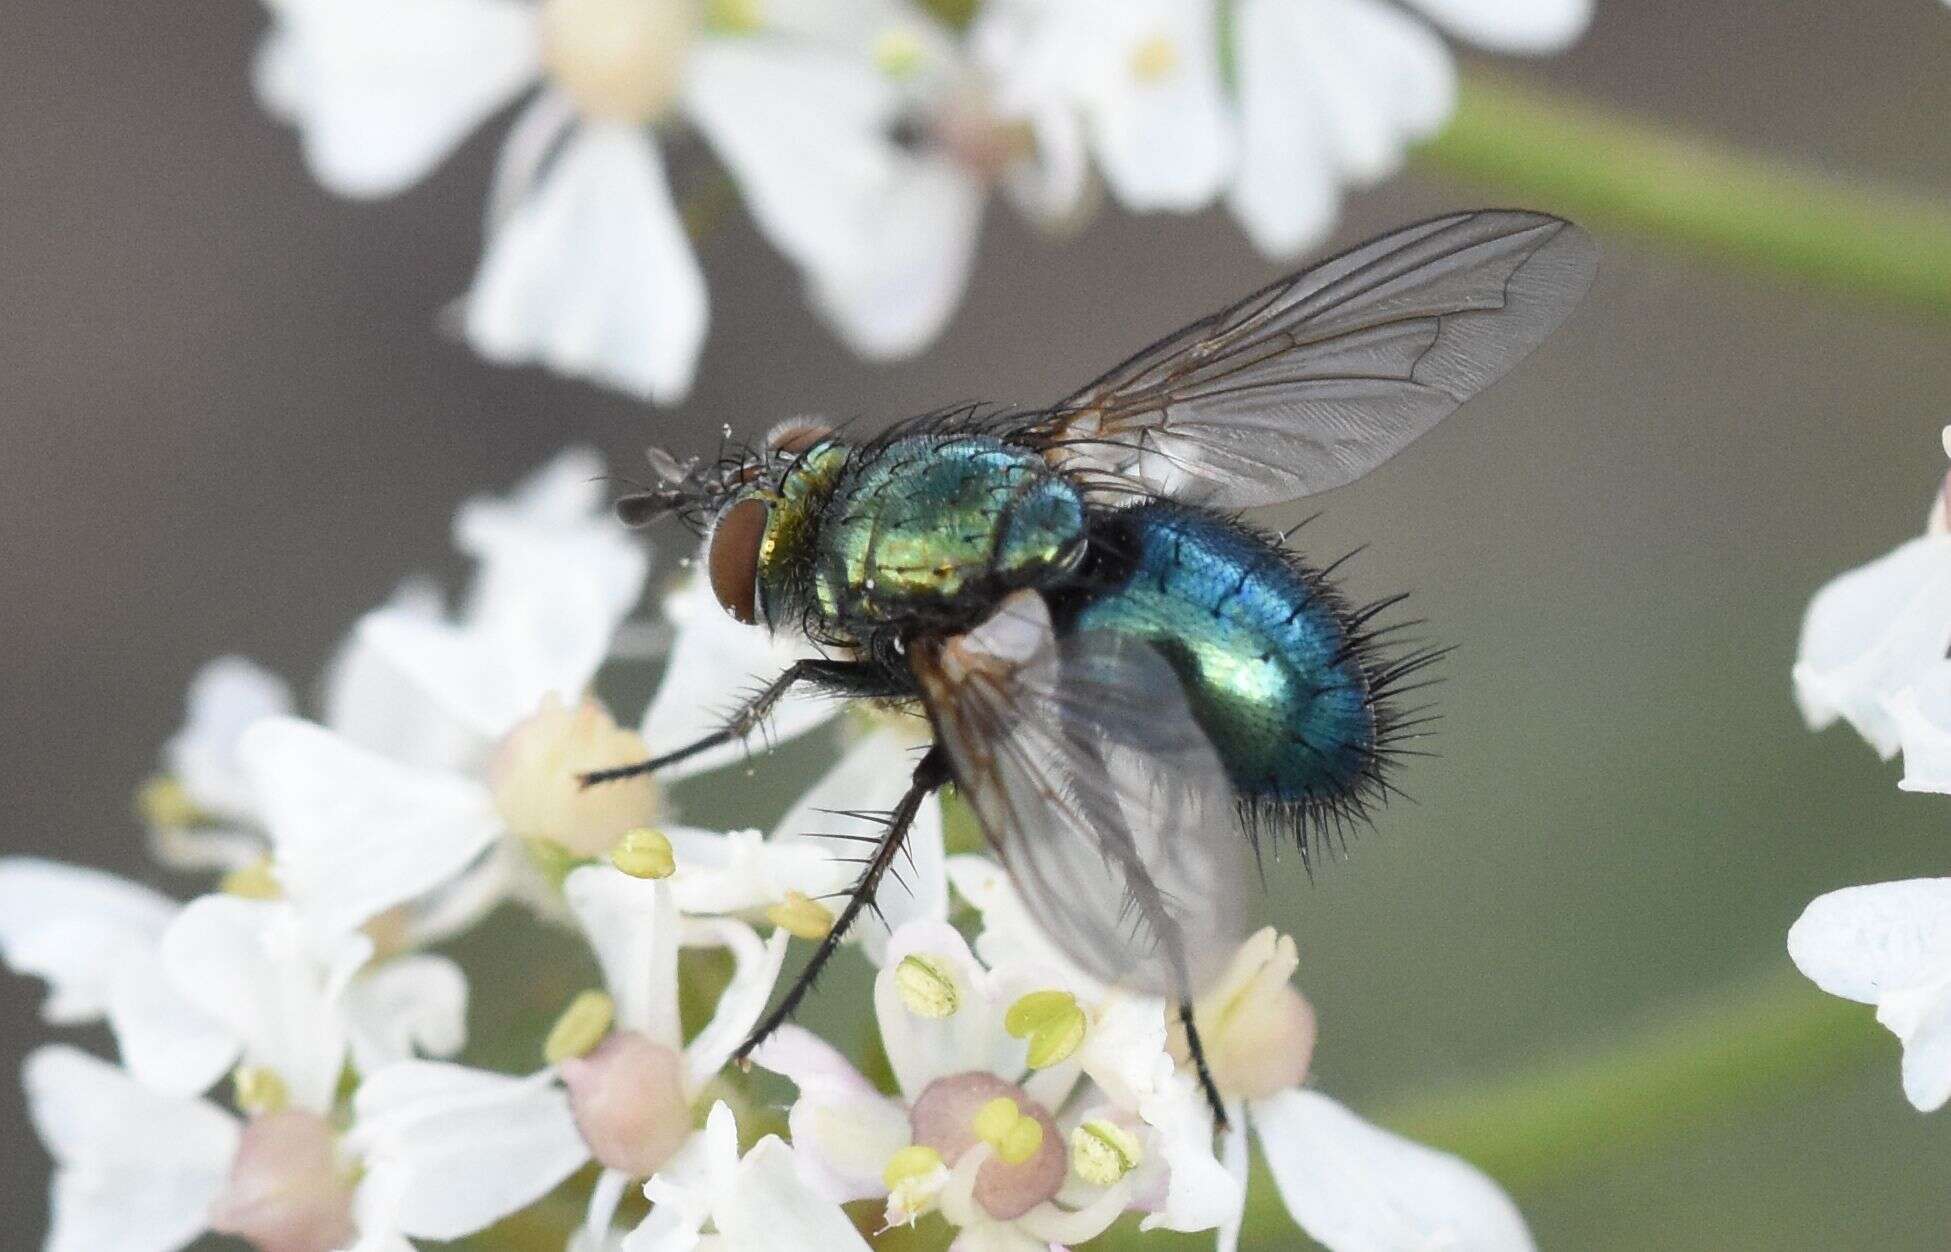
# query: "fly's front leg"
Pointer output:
{"type": "Point", "coordinates": [1206, 1083]}
{"type": "Point", "coordinates": [841, 675]}
{"type": "Point", "coordinates": [930, 773]}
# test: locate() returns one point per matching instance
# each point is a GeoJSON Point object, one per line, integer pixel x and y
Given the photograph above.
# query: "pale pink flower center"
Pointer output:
{"type": "Point", "coordinates": [943, 1117]}
{"type": "Point", "coordinates": [287, 1191]}
{"type": "Point", "coordinates": [533, 778]}
{"type": "Point", "coordinates": [628, 1099]}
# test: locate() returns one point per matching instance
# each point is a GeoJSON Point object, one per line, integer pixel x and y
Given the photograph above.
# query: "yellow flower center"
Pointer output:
{"type": "Point", "coordinates": [1154, 59]}
{"type": "Point", "coordinates": [620, 59]}
{"type": "Point", "coordinates": [1014, 1137]}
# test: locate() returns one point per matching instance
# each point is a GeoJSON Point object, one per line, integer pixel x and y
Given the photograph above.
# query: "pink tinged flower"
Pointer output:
{"type": "Point", "coordinates": [629, 1102]}
{"type": "Point", "coordinates": [1889, 944]}
{"type": "Point", "coordinates": [463, 1148]}
{"type": "Point", "coordinates": [1029, 1166]}
{"type": "Point", "coordinates": [288, 1190]}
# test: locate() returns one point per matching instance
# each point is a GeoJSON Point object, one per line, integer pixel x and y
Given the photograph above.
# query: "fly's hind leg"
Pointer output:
{"type": "Point", "coordinates": [840, 676]}
{"type": "Point", "coordinates": [1206, 1083]}
{"type": "Point", "coordinates": [930, 773]}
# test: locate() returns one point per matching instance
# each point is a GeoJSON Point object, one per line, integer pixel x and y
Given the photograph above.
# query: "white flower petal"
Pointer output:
{"type": "Point", "coordinates": [1862, 943]}
{"type": "Point", "coordinates": [1010, 937]}
{"type": "Point", "coordinates": [1921, 1017]}
{"type": "Point", "coordinates": [166, 1041]}
{"type": "Point", "coordinates": [249, 965]}
{"type": "Point", "coordinates": [383, 90]}
{"type": "Point", "coordinates": [1380, 80]}
{"type": "Point", "coordinates": [1158, 118]}
{"type": "Point", "coordinates": [465, 1147]}
{"type": "Point", "coordinates": [1357, 1188]}
{"type": "Point", "coordinates": [685, 1193]}
{"type": "Point", "coordinates": [742, 873]}
{"type": "Point", "coordinates": [226, 696]}
{"type": "Point", "coordinates": [1533, 26]}
{"type": "Point", "coordinates": [353, 833]}
{"type": "Point", "coordinates": [755, 972]}
{"type": "Point", "coordinates": [771, 1209]}
{"type": "Point", "coordinates": [1872, 632]}
{"type": "Point", "coordinates": [1202, 1191]}
{"type": "Point", "coordinates": [74, 928]}
{"type": "Point", "coordinates": [633, 926]}
{"type": "Point", "coordinates": [884, 237]}
{"type": "Point", "coordinates": [1286, 190]}
{"type": "Point", "coordinates": [593, 275]}
{"type": "Point", "coordinates": [1234, 1155]}
{"type": "Point", "coordinates": [712, 662]}
{"type": "Point", "coordinates": [922, 1049]}
{"type": "Point", "coordinates": [894, 300]}
{"type": "Point", "coordinates": [369, 700]}
{"type": "Point", "coordinates": [134, 1170]}
{"type": "Point", "coordinates": [1921, 715]}
{"type": "Point", "coordinates": [409, 1004]}
{"type": "Point", "coordinates": [844, 1130]}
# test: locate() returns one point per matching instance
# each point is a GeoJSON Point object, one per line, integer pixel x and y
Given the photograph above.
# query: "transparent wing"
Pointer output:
{"type": "Point", "coordinates": [1317, 379]}
{"type": "Point", "coordinates": [1102, 798]}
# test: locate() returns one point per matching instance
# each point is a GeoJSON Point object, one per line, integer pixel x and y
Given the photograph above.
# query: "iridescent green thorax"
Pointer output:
{"type": "Point", "coordinates": [939, 525]}
{"type": "Point", "coordinates": [1263, 649]}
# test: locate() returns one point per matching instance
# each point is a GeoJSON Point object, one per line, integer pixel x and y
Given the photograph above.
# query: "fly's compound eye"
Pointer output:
{"type": "Point", "coordinates": [732, 559]}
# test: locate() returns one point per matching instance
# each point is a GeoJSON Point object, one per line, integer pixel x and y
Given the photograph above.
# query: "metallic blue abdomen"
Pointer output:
{"type": "Point", "coordinates": [1260, 644]}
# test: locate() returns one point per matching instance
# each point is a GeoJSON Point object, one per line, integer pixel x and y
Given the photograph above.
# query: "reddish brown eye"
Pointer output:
{"type": "Point", "coordinates": [733, 557]}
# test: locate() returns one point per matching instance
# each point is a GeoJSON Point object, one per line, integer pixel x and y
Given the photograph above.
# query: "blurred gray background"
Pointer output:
{"type": "Point", "coordinates": [229, 425]}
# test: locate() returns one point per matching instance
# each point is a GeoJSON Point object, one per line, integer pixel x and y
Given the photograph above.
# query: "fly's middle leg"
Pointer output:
{"type": "Point", "coordinates": [930, 773]}
{"type": "Point", "coordinates": [744, 719]}
{"type": "Point", "coordinates": [1198, 1051]}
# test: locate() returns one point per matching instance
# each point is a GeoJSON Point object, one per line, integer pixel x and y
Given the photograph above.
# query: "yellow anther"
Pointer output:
{"type": "Point", "coordinates": [644, 853]}
{"type": "Point", "coordinates": [257, 1090]}
{"type": "Point", "coordinates": [1053, 1023]}
{"type": "Point", "coordinates": [580, 1028]}
{"type": "Point", "coordinates": [1154, 58]}
{"type": "Point", "coordinates": [911, 1164]}
{"type": "Point", "coordinates": [994, 1119]}
{"type": "Point", "coordinates": [898, 52]}
{"type": "Point", "coordinates": [255, 881]}
{"type": "Point", "coordinates": [801, 916]}
{"type": "Point", "coordinates": [926, 987]}
{"type": "Point", "coordinates": [163, 803]}
{"type": "Point", "coordinates": [1102, 1152]}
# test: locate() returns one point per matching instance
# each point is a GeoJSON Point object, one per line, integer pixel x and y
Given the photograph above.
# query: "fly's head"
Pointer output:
{"type": "Point", "coordinates": [758, 510]}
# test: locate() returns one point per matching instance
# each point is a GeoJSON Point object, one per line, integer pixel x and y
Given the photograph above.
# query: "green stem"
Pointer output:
{"type": "Point", "coordinates": [1561, 154]}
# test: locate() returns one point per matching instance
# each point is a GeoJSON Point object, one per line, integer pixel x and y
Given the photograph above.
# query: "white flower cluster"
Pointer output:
{"type": "Point", "coordinates": [863, 137]}
{"type": "Point", "coordinates": [1028, 1106]}
{"type": "Point", "coordinates": [1874, 654]}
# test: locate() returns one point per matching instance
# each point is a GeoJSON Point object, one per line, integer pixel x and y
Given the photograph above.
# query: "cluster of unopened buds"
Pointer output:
{"type": "Point", "coordinates": [1011, 1102]}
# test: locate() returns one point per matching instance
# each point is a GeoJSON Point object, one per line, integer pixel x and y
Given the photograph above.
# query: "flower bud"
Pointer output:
{"type": "Point", "coordinates": [287, 1191]}
{"type": "Point", "coordinates": [628, 1099]}
{"type": "Point", "coordinates": [534, 778]}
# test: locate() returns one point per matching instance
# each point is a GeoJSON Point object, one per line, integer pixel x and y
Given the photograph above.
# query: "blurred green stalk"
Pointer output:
{"type": "Point", "coordinates": [1554, 152]}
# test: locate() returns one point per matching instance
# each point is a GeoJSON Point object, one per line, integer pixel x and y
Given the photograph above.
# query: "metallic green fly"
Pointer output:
{"type": "Point", "coordinates": [1128, 684]}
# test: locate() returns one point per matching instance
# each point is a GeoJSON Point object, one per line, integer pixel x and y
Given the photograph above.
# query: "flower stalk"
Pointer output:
{"type": "Point", "coordinates": [1613, 172]}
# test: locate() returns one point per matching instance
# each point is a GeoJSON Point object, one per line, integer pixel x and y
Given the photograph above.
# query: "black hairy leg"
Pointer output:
{"type": "Point", "coordinates": [1198, 1051]}
{"type": "Point", "coordinates": [930, 773]}
{"type": "Point", "coordinates": [844, 677]}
